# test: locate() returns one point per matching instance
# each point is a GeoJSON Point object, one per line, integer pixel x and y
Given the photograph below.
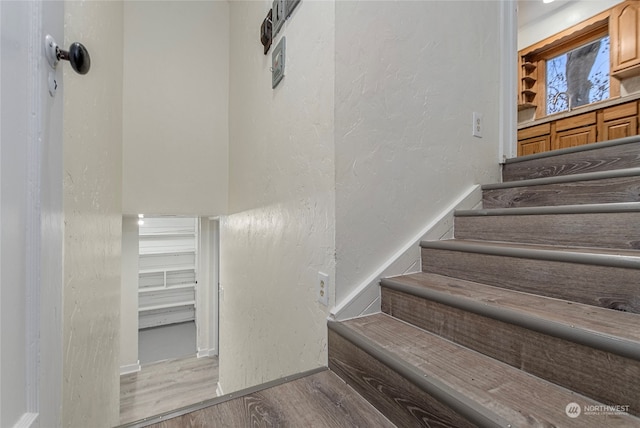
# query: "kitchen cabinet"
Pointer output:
{"type": "Point", "coordinates": [618, 122]}
{"type": "Point", "coordinates": [536, 139]}
{"type": "Point", "coordinates": [534, 145]}
{"type": "Point", "coordinates": [624, 32]}
{"type": "Point", "coordinates": [574, 131]}
{"type": "Point", "coordinates": [574, 137]}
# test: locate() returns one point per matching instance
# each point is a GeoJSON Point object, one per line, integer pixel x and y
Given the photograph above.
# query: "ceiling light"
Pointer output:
{"type": "Point", "coordinates": [547, 1]}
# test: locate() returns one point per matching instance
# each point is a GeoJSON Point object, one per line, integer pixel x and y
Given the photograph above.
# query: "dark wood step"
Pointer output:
{"type": "Point", "coordinates": [590, 350]}
{"type": "Point", "coordinates": [416, 378]}
{"type": "Point", "coordinates": [605, 156]}
{"type": "Point", "coordinates": [603, 225]}
{"type": "Point", "coordinates": [321, 399]}
{"type": "Point", "coordinates": [593, 188]}
{"type": "Point", "coordinates": [606, 278]}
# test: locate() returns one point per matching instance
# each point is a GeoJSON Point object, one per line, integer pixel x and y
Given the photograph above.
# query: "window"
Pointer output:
{"type": "Point", "coordinates": [568, 69]}
{"type": "Point", "coordinates": [578, 77]}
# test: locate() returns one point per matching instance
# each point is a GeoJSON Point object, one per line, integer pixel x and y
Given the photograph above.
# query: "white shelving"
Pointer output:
{"type": "Point", "coordinates": [167, 270]}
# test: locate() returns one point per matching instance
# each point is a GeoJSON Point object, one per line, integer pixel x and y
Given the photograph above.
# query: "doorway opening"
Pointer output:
{"type": "Point", "coordinates": [167, 281]}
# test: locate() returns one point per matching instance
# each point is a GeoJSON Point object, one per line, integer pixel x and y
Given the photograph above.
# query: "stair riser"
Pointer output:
{"type": "Point", "coordinates": [600, 375]}
{"type": "Point", "coordinates": [604, 230]}
{"type": "Point", "coordinates": [399, 400]}
{"type": "Point", "coordinates": [605, 159]}
{"type": "Point", "coordinates": [608, 190]}
{"type": "Point", "coordinates": [603, 286]}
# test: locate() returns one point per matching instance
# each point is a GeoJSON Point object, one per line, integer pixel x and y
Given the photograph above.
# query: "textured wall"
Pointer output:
{"type": "Point", "coordinates": [562, 18]}
{"type": "Point", "coordinates": [408, 77]}
{"type": "Point", "coordinates": [92, 216]}
{"type": "Point", "coordinates": [281, 193]}
{"type": "Point", "coordinates": [176, 101]}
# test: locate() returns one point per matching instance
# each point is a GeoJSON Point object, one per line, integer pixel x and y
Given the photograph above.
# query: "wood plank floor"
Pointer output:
{"type": "Point", "coordinates": [167, 385]}
{"type": "Point", "coordinates": [320, 400]}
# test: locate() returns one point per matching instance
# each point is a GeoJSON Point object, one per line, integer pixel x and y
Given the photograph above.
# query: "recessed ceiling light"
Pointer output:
{"type": "Point", "coordinates": [547, 1]}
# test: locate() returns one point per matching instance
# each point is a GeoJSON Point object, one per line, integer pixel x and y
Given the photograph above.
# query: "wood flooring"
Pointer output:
{"type": "Point", "coordinates": [167, 385]}
{"type": "Point", "coordinates": [320, 400]}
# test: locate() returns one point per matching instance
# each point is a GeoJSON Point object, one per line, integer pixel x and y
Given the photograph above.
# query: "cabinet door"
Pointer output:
{"type": "Point", "coordinates": [620, 128]}
{"type": "Point", "coordinates": [574, 137]}
{"type": "Point", "coordinates": [624, 30]}
{"type": "Point", "coordinates": [534, 145]}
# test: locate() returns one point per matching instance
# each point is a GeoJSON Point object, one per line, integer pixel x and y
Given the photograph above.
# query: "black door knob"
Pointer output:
{"type": "Point", "coordinates": [78, 56]}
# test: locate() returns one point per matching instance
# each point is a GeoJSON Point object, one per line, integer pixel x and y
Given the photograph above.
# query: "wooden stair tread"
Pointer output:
{"type": "Point", "coordinates": [498, 391]}
{"type": "Point", "coordinates": [556, 179]}
{"type": "Point", "coordinates": [625, 258]}
{"type": "Point", "coordinates": [602, 156]}
{"type": "Point", "coordinates": [614, 331]}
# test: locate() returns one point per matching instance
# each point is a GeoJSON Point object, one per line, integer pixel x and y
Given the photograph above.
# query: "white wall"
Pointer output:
{"type": "Point", "coordinates": [31, 220]}
{"type": "Point", "coordinates": [176, 107]}
{"type": "Point", "coordinates": [281, 232]}
{"type": "Point", "coordinates": [93, 216]}
{"type": "Point", "coordinates": [563, 17]}
{"type": "Point", "coordinates": [129, 296]}
{"type": "Point", "coordinates": [207, 287]}
{"type": "Point", "coordinates": [14, 157]}
{"type": "Point", "coordinates": [408, 77]}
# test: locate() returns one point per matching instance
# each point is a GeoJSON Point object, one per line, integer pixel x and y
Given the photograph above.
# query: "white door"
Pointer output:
{"type": "Point", "coordinates": [31, 220]}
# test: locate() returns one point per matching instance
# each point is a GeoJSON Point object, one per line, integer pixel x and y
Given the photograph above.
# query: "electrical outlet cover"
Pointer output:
{"type": "Point", "coordinates": [279, 14]}
{"type": "Point", "coordinates": [323, 288]}
{"type": "Point", "coordinates": [277, 63]}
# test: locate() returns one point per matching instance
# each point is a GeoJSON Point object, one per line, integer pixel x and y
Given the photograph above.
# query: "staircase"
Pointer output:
{"type": "Point", "coordinates": [530, 317]}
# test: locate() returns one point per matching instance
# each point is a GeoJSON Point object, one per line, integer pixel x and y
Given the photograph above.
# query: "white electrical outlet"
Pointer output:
{"type": "Point", "coordinates": [323, 288]}
{"type": "Point", "coordinates": [477, 124]}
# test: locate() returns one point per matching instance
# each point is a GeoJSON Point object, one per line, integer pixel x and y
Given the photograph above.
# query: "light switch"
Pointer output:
{"type": "Point", "coordinates": [277, 63]}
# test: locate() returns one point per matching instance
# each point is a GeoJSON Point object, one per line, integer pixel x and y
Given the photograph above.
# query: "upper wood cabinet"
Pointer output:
{"type": "Point", "coordinates": [624, 32]}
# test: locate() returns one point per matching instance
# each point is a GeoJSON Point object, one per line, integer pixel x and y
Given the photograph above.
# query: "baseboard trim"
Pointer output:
{"type": "Point", "coordinates": [130, 368]}
{"type": "Point", "coordinates": [365, 299]}
{"type": "Point", "coordinates": [219, 391]}
{"type": "Point", "coordinates": [203, 353]}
